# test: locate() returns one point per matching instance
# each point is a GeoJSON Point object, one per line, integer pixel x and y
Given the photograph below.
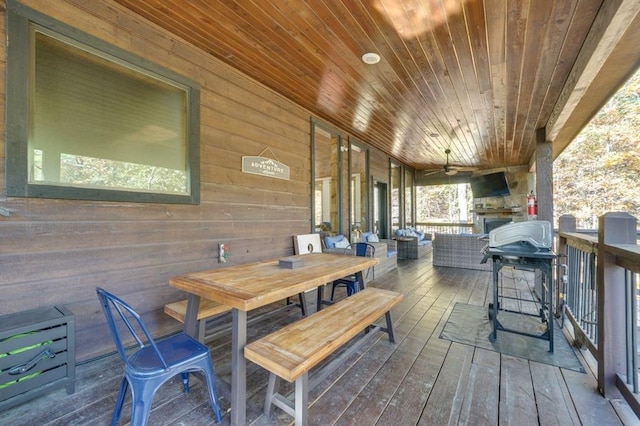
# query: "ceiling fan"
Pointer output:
{"type": "Point", "coordinates": [449, 169]}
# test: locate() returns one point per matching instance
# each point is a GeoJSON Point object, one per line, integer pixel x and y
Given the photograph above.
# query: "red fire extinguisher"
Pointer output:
{"type": "Point", "coordinates": [532, 205]}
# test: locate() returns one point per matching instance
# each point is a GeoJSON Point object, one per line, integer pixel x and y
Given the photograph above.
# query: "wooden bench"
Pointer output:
{"type": "Point", "coordinates": [291, 352]}
{"type": "Point", "coordinates": [208, 309]}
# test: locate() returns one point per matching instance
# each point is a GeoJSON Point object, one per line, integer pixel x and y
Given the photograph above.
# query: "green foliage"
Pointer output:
{"type": "Point", "coordinates": [599, 170]}
{"type": "Point", "coordinates": [102, 173]}
{"type": "Point", "coordinates": [442, 203]}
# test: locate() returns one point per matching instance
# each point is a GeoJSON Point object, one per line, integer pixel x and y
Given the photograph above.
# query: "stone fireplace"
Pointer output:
{"type": "Point", "coordinates": [491, 223]}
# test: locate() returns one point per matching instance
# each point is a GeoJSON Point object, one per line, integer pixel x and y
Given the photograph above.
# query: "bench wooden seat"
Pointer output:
{"type": "Point", "coordinates": [208, 309]}
{"type": "Point", "coordinates": [291, 352]}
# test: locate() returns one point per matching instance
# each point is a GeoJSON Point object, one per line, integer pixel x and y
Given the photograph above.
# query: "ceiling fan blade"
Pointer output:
{"type": "Point", "coordinates": [463, 168]}
{"type": "Point", "coordinates": [448, 169]}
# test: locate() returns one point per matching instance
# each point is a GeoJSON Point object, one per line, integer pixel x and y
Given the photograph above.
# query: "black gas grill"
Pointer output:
{"type": "Point", "coordinates": [525, 246]}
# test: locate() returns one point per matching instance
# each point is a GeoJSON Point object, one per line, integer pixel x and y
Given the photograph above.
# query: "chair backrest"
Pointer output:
{"type": "Point", "coordinates": [124, 321]}
{"type": "Point", "coordinates": [364, 249]}
{"type": "Point", "coordinates": [307, 243]}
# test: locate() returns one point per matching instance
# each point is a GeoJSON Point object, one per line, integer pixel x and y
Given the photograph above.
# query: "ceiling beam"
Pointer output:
{"type": "Point", "coordinates": [607, 59]}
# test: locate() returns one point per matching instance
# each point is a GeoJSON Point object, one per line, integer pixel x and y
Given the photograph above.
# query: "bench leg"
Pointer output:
{"type": "Point", "coordinates": [272, 389]}
{"type": "Point", "coordinates": [297, 409]}
{"type": "Point", "coordinates": [388, 329]}
{"type": "Point", "coordinates": [302, 399]}
{"type": "Point", "coordinates": [392, 339]}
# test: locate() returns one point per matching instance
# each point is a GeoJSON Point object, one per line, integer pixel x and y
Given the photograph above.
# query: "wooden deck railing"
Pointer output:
{"type": "Point", "coordinates": [445, 227]}
{"type": "Point", "coordinates": [600, 291]}
{"type": "Point", "coordinates": [577, 284]}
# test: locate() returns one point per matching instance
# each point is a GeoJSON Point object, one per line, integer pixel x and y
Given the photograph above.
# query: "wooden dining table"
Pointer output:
{"type": "Point", "coordinates": [253, 285]}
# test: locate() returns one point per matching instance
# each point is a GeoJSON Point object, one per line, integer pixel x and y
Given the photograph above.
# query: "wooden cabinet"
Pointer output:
{"type": "Point", "coordinates": [37, 354]}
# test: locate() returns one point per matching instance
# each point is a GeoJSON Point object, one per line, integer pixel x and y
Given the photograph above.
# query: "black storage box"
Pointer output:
{"type": "Point", "coordinates": [37, 354]}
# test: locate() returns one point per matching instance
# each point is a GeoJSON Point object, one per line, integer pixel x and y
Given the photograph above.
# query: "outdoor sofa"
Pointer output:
{"type": "Point", "coordinates": [459, 251]}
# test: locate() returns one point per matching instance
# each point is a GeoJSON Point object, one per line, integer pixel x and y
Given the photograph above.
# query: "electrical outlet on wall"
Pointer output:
{"type": "Point", "coordinates": [223, 252]}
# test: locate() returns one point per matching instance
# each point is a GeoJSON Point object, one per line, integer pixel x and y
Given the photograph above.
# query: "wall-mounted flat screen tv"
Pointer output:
{"type": "Point", "coordinates": [490, 185]}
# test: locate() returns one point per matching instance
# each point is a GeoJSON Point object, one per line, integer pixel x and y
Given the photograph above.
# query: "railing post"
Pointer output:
{"type": "Point", "coordinates": [613, 228]}
{"type": "Point", "coordinates": [566, 223]}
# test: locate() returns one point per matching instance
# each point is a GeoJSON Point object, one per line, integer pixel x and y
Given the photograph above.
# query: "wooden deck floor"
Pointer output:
{"type": "Point", "coordinates": [420, 380]}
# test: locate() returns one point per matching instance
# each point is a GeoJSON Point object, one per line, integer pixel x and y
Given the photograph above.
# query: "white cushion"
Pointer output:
{"type": "Point", "coordinates": [373, 238]}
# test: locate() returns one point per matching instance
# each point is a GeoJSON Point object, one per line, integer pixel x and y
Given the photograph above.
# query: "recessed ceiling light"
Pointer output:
{"type": "Point", "coordinates": [370, 58]}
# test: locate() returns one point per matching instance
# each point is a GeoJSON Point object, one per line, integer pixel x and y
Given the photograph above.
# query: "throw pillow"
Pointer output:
{"type": "Point", "coordinates": [329, 242]}
{"type": "Point", "coordinates": [373, 238]}
{"type": "Point", "coordinates": [343, 243]}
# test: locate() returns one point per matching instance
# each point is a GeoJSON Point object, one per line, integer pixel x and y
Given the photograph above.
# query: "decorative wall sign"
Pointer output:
{"type": "Point", "coordinates": [265, 166]}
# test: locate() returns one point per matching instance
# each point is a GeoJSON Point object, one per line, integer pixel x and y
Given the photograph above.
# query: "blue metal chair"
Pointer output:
{"type": "Point", "coordinates": [351, 282]}
{"type": "Point", "coordinates": [151, 364]}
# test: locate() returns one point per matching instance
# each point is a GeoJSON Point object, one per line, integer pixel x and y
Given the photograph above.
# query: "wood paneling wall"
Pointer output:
{"type": "Point", "coordinates": [58, 251]}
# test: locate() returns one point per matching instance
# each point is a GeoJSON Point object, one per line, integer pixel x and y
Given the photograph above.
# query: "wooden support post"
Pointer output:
{"type": "Point", "coordinates": [544, 188]}
{"type": "Point", "coordinates": [613, 228]}
{"type": "Point", "coordinates": [544, 176]}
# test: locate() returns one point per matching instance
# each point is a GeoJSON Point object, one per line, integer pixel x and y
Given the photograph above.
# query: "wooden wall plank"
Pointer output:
{"type": "Point", "coordinates": [58, 251]}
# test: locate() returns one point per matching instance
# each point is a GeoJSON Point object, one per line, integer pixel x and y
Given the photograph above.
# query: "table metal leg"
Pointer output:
{"type": "Point", "coordinates": [191, 316]}
{"type": "Point", "coordinates": [238, 368]}
{"type": "Point", "coordinates": [320, 298]}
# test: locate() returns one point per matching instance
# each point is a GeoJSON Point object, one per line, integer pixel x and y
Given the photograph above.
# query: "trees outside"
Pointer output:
{"type": "Point", "coordinates": [599, 171]}
{"type": "Point", "coordinates": [443, 203]}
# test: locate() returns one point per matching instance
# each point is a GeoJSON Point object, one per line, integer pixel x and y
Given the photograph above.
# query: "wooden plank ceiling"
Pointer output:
{"type": "Point", "coordinates": [474, 76]}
